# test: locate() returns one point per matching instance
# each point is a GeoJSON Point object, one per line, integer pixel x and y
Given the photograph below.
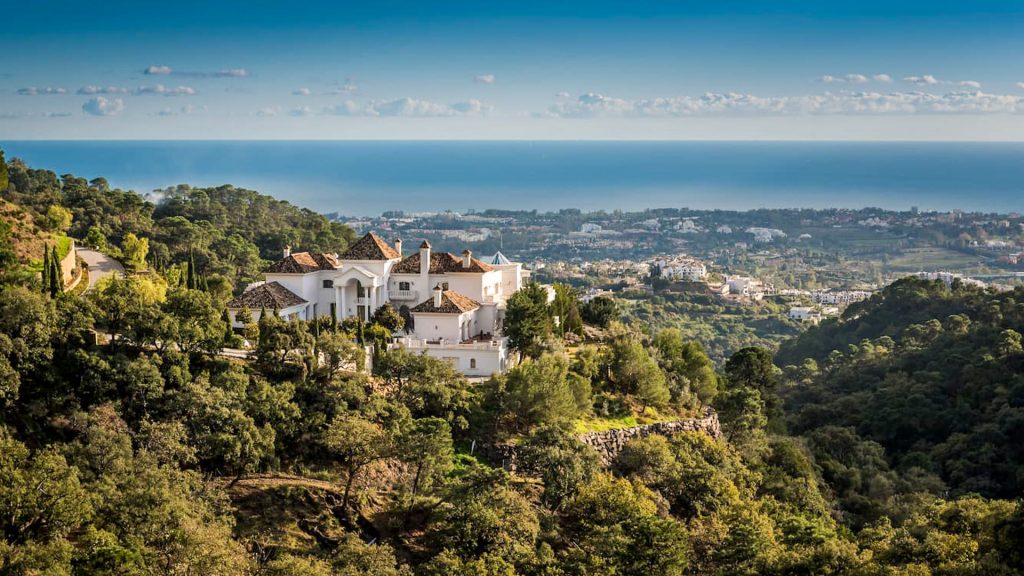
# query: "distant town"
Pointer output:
{"type": "Point", "coordinates": [816, 262]}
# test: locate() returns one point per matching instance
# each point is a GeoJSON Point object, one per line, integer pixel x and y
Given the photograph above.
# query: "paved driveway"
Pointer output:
{"type": "Point", "coordinates": [100, 265]}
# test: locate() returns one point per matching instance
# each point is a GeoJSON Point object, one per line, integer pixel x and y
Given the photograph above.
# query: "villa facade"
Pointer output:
{"type": "Point", "coordinates": [453, 305]}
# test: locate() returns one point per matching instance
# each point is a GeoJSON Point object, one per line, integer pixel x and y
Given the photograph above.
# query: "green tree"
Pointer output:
{"type": "Point", "coordinates": [135, 250]}
{"type": "Point", "coordinates": [600, 311]}
{"type": "Point", "coordinates": [388, 317]}
{"type": "Point", "coordinates": [526, 319]}
{"type": "Point", "coordinates": [95, 238]}
{"type": "Point", "coordinates": [616, 530]}
{"type": "Point", "coordinates": [427, 447]}
{"type": "Point", "coordinates": [356, 442]}
{"type": "Point", "coordinates": [563, 463]}
{"type": "Point", "coordinates": [4, 180]}
{"type": "Point", "coordinates": [58, 219]}
{"type": "Point", "coordinates": [536, 392]}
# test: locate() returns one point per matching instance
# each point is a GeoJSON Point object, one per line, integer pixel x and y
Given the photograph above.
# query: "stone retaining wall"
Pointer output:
{"type": "Point", "coordinates": [609, 443]}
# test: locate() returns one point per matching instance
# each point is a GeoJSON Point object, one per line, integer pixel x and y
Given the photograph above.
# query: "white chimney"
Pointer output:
{"type": "Point", "coordinates": [437, 296]}
{"type": "Point", "coordinates": [287, 251]}
{"type": "Point", "coordinates": [424, 258]}
{"type": "Point", "coordinates": [398, 246]}
{"type": "Point", "coordinates": [467, 258]}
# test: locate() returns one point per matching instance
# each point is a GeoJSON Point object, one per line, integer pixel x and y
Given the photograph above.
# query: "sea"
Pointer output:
{"type": "Point", "coordinates": [365, 178]}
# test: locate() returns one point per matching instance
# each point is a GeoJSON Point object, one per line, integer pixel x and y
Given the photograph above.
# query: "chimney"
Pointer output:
{"type": "Point", "coordinates": [437, 296]}
{"type": "Point", "coordinates": [467, 258]}
{"type": "Point", "coordinates": [424, 258]}
{"type": "Point", "coordinates": [287, 251]}
{"type": "Point", "coordinates": [398, 246]}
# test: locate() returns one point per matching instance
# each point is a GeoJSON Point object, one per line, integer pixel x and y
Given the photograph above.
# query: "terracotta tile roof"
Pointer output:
{"type": "Point", "coordinates": [440, 263]}
{"type": "Point", "coordinates": [303, 263]}
{"type": "Point", "coordinates": [451, 303]}
{"type": "Point", "coordinates": [370, 247]}
{"type": "Point", "coordinates": [270, 295]}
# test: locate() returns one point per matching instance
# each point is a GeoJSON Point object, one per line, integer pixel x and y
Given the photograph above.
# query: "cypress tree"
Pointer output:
{"type": "Point", "coordinates": [58, 274]}
{"type": "Point", "coordinates": [229, 330]}
{"type": "Point", "coordinates": [44, 274]}
{"type": "Point", "coordinates": [190, 274]}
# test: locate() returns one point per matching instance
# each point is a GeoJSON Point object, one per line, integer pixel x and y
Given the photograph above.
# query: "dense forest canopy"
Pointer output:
{"type": "Point", "coordinates": [934, 374]}
{"type": "Point", "coordinates": [153, 453]}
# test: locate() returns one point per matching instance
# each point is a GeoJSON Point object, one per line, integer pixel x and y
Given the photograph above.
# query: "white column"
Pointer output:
{"type": "Point", "coordinates": [342, 309]}
{"type": "Point", "coordinates": [373, 303]}
{"type": "Point", "coordinates": [337, 302]}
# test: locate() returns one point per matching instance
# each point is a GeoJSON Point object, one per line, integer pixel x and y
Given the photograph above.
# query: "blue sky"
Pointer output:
{"type": "Point", "coordinates": [516, 70]}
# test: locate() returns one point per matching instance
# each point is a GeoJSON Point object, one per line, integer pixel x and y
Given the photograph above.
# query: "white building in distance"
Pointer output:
{"type": "Point", "coordinates": [453, 306]}
{"type": "Point", "coordinates": [684, 269]}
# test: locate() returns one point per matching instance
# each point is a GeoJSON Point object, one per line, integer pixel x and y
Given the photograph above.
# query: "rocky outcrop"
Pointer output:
{"type": "Point", "coordinates": [609, 443]}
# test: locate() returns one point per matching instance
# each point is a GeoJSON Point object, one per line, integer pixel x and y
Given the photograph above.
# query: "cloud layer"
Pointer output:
{"type": "Point", "coordinates": [160, 70]}
{"type": "Point", "coordinates": [731, 104]}
{"type": "Point", "coordinates": [409, 108]}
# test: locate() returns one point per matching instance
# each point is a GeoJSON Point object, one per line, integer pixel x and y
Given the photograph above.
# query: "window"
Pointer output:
{"type": "Point", "coordinates": [444, 285]}
{"type": "Point", "coordinates": [328, 283]}
{"type": "Point", "coordinates": [472, 362]}
{"type": "Point", "coordinates": [403, 285]}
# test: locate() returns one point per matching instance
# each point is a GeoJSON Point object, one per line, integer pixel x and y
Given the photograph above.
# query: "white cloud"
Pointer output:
{"type": "Point", "coordinates": [301, 111]}
{"type": "Point", "coordinates": [1020, 85]}
{"type": "Point", "coordinates": [410, 108]}
{"type": "Point", "coordinates": [562, 95]}
{"type": "Point", "coordinates": [168, 71]}
{"type": "Point", "coordinates": [183, 111]}
{"type": "Point", "coordinates": [232, 73]}
{"type": "Point", "coordinates": [484, 79]}
{"type": "Point", "coordinates": [100, 106]}
{"type": "Point", "coordinates": [854, 79]}
{"type": "Point", "coordinates": [301, 92]}
{"type": "Point", "coordinates": [926, 80]}
{"type": "Point", "coordinates": [268, 111]}
{"type": "Point", "coordinates": [970, 84]}
{"type": "Point", "coordinates": [732, 104]}
{"type": "Point", "coordinates": [47, 91]}
{"type": "Point", "coordinates": [348, 88]}
{"type": "Point", "coordinates": [161, 90]}
{"type": "Point", "coordinates": [91, 90]}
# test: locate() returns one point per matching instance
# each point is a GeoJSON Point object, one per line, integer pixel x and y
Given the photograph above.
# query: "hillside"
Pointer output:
{"type": "Point", "coordinates": [934, 375]}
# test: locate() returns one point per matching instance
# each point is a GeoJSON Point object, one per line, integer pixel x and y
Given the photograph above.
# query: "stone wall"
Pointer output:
{"type": "Point", "coordinates": [68, 267]}
{"type": "Point", "coordinates": [609, 443]}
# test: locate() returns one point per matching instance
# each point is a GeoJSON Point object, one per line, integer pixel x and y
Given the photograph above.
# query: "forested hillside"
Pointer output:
{"type": "Point", "coordinates": [130, 445]}
{"type": "Point", "coordinates": [931, 374]}
{"type": "Point", "coordinates": [228, 233]}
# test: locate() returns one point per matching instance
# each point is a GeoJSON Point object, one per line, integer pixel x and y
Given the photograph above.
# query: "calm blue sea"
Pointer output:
{"type": "Point", "coordinates": [364, 178]}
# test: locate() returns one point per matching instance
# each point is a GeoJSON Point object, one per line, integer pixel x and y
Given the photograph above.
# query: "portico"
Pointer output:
{"type": "Point", "coordinates": [358, 292]}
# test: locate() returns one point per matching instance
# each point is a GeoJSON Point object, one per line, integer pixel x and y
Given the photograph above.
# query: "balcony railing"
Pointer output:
{"type": "Point", "coordinates": [403, 294]}
{"type": "Point", "coordinates": [420, 343]}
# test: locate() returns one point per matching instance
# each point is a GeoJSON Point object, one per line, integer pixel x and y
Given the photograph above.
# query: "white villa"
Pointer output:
{"type": "Point", "coordinates": [683, 268]}
{"type": "Point", "coordinates": [453, 306]}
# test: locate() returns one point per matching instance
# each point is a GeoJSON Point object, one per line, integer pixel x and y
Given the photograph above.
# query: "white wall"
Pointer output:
{"type": "Point", "coordinates": [435, 326]}
{"type": "Point", "coordinates": [487, 361]}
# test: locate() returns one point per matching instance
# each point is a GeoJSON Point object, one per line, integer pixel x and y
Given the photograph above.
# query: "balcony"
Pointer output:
{"type": "Point", "coordinates": [409, 342]}
{"type": "Point", "coordinates": [403, 294]}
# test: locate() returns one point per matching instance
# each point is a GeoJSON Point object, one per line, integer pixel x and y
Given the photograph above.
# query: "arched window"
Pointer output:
{"type": "Point", "coordinates": [472, 362]}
